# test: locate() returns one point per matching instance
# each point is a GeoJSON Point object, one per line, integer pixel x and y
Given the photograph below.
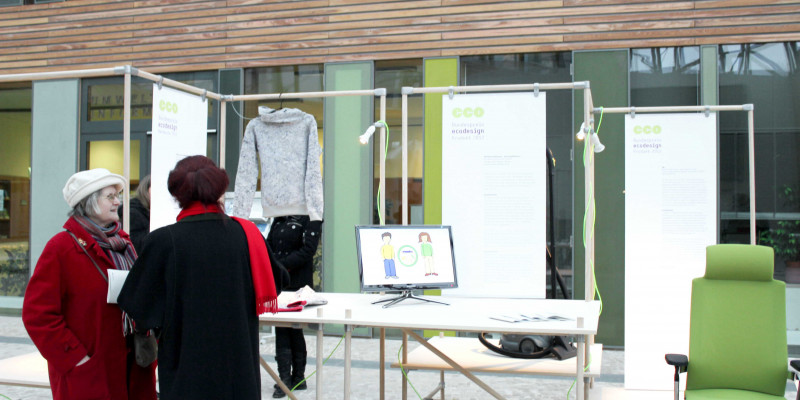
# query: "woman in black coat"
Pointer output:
{"type": "Point", "coordinates": [294, 241]}
{"type": "Point", "coordinates": [202, 282]}
{"type": "Point", "coordinates": [140, 214]}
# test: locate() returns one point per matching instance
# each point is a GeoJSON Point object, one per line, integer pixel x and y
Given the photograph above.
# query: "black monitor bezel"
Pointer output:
{"type": "Point", "coordinates": [399, 287]}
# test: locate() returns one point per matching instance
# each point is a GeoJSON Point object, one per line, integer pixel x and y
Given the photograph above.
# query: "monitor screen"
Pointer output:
{"type": "Point", "coordinates": [405, 257]}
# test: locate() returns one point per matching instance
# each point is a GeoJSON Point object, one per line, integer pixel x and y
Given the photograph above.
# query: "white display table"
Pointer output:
{"type": "Point", "coordinates": [463, 314]}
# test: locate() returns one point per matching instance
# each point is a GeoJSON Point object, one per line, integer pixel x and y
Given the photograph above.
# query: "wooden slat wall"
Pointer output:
{"type": "Point", "coordinates": [186, 35]}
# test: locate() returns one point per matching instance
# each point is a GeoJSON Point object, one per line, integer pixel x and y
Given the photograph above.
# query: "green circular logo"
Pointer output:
{"type": "Point", "coordinates": [407, 255]}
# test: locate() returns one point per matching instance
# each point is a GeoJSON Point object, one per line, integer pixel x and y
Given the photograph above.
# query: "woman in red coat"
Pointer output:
{"type": "Point", "coordinates": [81, 335]}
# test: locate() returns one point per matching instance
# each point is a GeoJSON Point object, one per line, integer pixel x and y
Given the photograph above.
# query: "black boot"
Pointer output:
{"type": "Point", "coordinates": [299, 369]}
{"type": "Point", "coordinates": [283, 356]}
{"type": "Point", "coordinates": [278, 393]}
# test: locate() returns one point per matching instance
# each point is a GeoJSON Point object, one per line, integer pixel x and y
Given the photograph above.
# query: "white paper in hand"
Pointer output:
{"type": "Point", "coordinates": [116, 278]}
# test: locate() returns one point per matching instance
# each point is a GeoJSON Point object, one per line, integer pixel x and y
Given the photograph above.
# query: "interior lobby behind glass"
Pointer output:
{"type": "Point", "coordinates": [15, 161]}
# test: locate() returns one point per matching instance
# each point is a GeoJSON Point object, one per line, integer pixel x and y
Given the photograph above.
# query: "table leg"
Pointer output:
{"type": "Point", "coordinates": [277, 379]}
{"type": "Point", "coordinates": [348, 335]}
{"type": "Point", "coordinates": [453, 364]}
{"type": "Point", "coordinates": [405, 360]}
{"type": "Point", "coordinates": [320, 359]}
{"type": "Point", "coordinates": [579, 365]}
{"type": "Point", "coordinates": [383, 362]}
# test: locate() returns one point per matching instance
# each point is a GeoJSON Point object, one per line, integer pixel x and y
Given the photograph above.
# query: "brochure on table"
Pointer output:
{"type": "Point", "coordinates": [493, 192]}
{"type": "Point", "coordinates": [179, 131]}
{"type": "Point", "coordinates": [670, 218]}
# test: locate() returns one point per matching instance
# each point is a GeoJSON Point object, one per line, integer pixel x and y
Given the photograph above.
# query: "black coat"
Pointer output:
{"type": "Point", "coordinates": [294, 241]}
{"type": "Point", "coordinates": [193, 281]}
{"type": "Point", "coordinates": [140, 223]}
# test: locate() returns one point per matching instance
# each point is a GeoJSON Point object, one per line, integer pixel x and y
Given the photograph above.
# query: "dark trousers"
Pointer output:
{"type": "Point", "coordinates": [290, 354]}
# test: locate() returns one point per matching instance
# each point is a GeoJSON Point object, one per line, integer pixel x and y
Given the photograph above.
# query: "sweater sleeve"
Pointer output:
{"type": "Point", "coordinates": [42, 313]}
{"type": "Point", "coordinates": [313, 182]}
{"type": "Point", "coordinates": [246, 174]}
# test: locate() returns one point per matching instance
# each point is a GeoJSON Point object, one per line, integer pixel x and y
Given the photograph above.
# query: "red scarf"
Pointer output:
{"type": "Point", "coordinates": [260, 266]}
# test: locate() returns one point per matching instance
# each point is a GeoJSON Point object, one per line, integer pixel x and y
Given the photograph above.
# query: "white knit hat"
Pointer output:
{"type": "Point", "coordinates": [84, 183]}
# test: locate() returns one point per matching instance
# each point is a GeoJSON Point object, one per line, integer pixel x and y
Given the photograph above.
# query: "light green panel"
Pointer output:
{"type": "Point", "coordinates": [437, 72]}
{"type": "Point", "coordinates": [54, 149]}
{"type": "Point", "coordinates": [346, 174]}
{"type": "Point", "coordinates": [709, 95]}
{"type": "Point", "coordinates": [607, 72]}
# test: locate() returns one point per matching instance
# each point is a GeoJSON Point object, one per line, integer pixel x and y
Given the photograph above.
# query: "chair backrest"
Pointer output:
{"type": "Point", "coordinates": [737, 328]}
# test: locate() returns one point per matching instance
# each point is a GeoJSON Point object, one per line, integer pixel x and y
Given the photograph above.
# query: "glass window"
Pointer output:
{"type": "Point", "coordinates": [665, 76]}
{"type": "Point", "coordinates": [542, 68]}
{"type": "Point", "coordinates": [766, 75]}
{"type": "Point", "coordinates": [393, 75]}
{"type": "Point", "coordinates": [15, 162]}
{"type": "Point", "coordinates": [101, 127]}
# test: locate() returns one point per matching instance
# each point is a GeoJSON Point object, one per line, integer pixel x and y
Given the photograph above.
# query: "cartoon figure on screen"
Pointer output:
{"type": "Point", "coordinates": [387, 251]}
{"type": "Point", "coordinates": [427, 253]}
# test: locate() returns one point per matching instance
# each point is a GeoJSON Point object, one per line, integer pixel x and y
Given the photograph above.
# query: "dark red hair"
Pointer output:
{"type": "Point", "coordinates": [197, 178]}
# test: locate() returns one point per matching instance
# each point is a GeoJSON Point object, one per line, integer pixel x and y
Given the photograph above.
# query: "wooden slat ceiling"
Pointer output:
{"type": "Point", "coordinates": [187, 35]}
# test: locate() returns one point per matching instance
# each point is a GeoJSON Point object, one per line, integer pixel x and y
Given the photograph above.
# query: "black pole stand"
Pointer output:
{"type": "Point", "coordinates": [404, 296]}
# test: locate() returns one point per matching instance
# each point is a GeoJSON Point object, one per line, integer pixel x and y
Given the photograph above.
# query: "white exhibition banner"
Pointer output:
{"type": "Point", "coordinates": [179, 131]}
{"type": "Point", "coordinates": [493, 192]}
{"type": "Point", "coordinates": [670, 218]}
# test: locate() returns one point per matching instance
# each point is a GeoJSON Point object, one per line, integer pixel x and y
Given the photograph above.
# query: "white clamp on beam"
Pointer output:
{"type": "Point", "coordinates": [407, 90]}
{"type": "Point", "coordinates": [160, 82]}
{"type": "Point", "coordinates": [226, 97]}
{"type": "Point", "coordinates": [708, 111]}
{"type": "Point", "coordinates": [451, 92]}
{"type": "Point", "coordinates": [747, 107]}
{"type": "Point", "coordinates": [633, 112]}
{"type": "Point", "coordinates": [581, 85]}
{"type": "Point", "coordinates": [205, 94]}
{"type": "Point", "coordinates": [536, 89]}
{"type": "Point", "coordinates": [126, 69]}
{"type": "Point", "coordinates": [380, 92]}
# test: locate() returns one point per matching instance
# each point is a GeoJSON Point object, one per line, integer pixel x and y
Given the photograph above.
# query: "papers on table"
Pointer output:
{"type": "Point", "coordinates": [530, 317]}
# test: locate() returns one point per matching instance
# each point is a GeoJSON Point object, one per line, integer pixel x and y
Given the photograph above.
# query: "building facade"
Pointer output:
{"type": "Point", "coordinates": [641, 53]}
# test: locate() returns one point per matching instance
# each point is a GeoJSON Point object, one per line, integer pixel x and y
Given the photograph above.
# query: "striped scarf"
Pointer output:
{"type": "Point", "coordinates": [119, 250]}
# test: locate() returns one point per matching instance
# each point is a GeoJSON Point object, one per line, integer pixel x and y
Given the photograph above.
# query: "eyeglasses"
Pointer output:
{"type": "Point", "coordinates": [114, 196]}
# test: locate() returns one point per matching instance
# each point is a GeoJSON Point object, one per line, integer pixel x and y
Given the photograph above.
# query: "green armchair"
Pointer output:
{"type": "Point", "coordinates": [737, 329]}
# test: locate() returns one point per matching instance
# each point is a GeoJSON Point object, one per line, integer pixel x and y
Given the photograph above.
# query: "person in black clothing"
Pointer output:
{"type": "Point", "coordinates": [201, 283]}
{"type": "Point", "coordinates": [293, 241]}
{"type": "Point", "coordinates": [140, 214]}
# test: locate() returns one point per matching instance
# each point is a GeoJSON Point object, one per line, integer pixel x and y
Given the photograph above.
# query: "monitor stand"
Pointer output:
{"type": "Point", "coordinates": [405, 295]}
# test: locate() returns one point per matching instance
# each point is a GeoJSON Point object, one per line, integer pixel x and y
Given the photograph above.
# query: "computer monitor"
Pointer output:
{"type": "Point", "coordinates": [405, 257]}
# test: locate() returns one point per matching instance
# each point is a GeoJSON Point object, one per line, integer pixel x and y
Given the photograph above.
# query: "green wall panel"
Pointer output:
{"type": "Point", "coordinates": [709, 95]}
{"type": "Point", "coordinates": [54, 149]}
{"type": "Point", "coordinates": [437, 72]}
{"type": "Point", "coordinates": [607, 72]}
{"type": "Point", "coordinates": [346, 173]}
{"type": "Point", "coordinates": [231, 82]}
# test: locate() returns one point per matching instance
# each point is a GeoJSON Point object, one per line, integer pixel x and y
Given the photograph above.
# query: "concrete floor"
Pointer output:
{"type": "Point", "coordinates": [365, 372]}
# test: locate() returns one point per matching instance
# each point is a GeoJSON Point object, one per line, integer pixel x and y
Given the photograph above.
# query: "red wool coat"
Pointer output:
{"type": "Point", "coordinates": [66, 315]}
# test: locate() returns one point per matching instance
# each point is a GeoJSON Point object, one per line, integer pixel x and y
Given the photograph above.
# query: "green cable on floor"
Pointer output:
{"type": "Point", "coordinates": [403, 370]}
{"type": "Point", "coordinates": [315, 371]}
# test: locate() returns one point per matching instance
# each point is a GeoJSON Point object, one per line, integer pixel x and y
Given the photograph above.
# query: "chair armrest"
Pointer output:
{"type": "Point", "coordinates": [679, 361]}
